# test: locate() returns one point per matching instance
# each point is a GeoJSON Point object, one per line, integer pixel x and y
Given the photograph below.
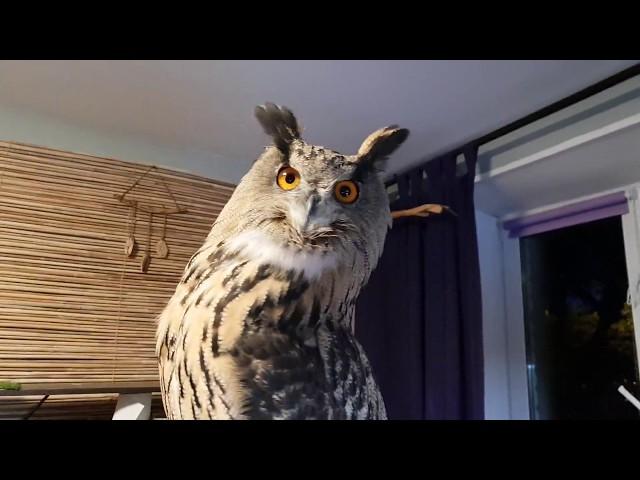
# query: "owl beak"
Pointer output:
{"type": "Point", "coordinates": [312, 217]}
{"type": "Point", "coordinates": [312, 210]}
{"type": "Point", "coordinates": [312, 206]}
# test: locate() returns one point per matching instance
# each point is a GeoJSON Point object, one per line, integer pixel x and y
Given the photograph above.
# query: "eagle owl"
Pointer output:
{"type": "Point", "coordinates": [261, 325]}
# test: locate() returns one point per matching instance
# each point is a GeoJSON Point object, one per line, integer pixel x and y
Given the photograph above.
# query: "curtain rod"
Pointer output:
{"type": "Point", "coordinates": [555, 107]}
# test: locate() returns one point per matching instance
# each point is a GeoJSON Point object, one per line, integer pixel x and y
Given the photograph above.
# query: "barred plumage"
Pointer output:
{"type": "Point", "coordinates": [261, 324]}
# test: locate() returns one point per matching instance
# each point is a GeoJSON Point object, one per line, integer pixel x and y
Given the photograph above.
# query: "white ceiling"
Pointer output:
{"type": "Point", "coordinates": [208, 105]}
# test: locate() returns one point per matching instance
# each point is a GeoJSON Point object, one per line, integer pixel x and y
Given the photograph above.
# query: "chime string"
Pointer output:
{"type": "Point", "coordinates": [125, 256]}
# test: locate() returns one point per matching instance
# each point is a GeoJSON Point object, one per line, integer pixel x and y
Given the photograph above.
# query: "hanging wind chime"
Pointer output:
{"type": "Point", "coordinates": [131, 244]}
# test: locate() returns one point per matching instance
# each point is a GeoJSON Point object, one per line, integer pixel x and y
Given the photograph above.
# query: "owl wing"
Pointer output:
{"type": "Point", "coordinates": [196, 375]}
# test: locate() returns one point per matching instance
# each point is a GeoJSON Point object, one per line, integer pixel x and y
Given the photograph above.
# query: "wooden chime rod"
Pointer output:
{"type": "Point", "coordinates": [154, 210]}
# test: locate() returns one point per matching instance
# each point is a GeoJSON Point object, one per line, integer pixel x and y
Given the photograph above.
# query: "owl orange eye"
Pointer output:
{"type": "Point", "coordinates": [346, 191]}
{"type": "Point", "coordinates": [288, 178]}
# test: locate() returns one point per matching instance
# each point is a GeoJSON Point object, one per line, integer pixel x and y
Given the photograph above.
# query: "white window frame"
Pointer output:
{"type": "Point", "coordinates": [631, 231]}
{"type": "Point", "coordinates": [517, 381]}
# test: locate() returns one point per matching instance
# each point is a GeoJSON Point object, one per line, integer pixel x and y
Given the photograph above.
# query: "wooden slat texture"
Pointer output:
{"type": "Point", "coordinates": [73, 308]}
{"type": "Point", "coordinates": [82, 387]}
{"type": "Point", "coordinates": [68, 407]}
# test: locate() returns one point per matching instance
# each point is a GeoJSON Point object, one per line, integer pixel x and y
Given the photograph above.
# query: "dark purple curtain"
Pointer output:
{"type": "Point", "coordinates": [420, 317]}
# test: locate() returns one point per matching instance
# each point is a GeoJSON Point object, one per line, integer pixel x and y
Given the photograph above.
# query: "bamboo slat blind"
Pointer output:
{"type": "Point", "coordinates": [73, 307]}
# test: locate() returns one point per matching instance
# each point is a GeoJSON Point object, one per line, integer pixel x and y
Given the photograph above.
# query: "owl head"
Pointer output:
{"type": "Point", "coordinates": [311, 201]}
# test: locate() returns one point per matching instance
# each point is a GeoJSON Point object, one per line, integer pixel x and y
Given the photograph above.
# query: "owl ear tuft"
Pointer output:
{"type": "Point", "coordinates": [279, 123]}
{"type": "Point", "coordinates": [382, 143]}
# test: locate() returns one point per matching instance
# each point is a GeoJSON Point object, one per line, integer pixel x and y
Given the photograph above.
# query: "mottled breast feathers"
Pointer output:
{"type": "Point", "coordinates": [242, 339]}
